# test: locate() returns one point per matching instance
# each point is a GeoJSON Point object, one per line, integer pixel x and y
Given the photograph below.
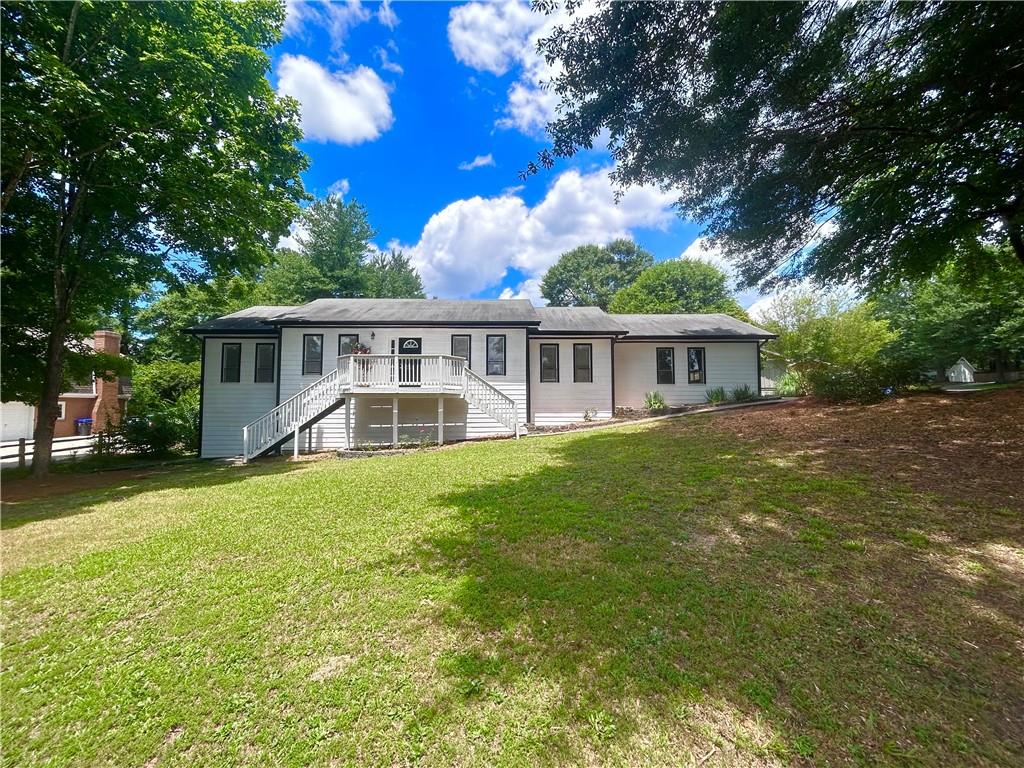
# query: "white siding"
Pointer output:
{"type": "Point", "coordinates": [370, 412]}
{"type": "Point", "coordinates": [229, 406]}
{"type": "Point", "coordinates": [19, 421]}
{"type": "Point", "coordinates": [727, 364]}
{"type": "Point", "coordinates": [564, 401]}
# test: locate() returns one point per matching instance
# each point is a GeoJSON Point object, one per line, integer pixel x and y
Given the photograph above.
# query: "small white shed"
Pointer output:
{"type": "Point", "coordinates": [961, 372]}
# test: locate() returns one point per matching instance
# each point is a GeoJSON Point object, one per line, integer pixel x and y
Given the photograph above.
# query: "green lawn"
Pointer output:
{"type": "Point", "coordinates": [662, 594]}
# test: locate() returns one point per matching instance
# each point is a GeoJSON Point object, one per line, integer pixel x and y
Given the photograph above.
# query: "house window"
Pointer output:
{"type": "Point", "coordinates": [695, 364]}
{"type": "Point", "coordinates": [496, 355]}
{"type": "Point", "coordinates": [462, 346]}
{"type": "Point", "coordinates": [347, 342]}
{"type": "Point", "coordinates": [231, 363]}
{"type": "Point", "coordinates": [264, 364]}
{"type": "Point", "coordinates": [583, 363]}
{"type": "Point", "coordinates": [62, 410]}
{"type": "Point", "coordinates": [666, 358]}
{"type": "Point", "coordinates": [549, 362]}
{"type": "Point", "coordinates": [312, 354]}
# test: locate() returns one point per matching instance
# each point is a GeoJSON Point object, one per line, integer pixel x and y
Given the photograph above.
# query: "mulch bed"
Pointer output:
{"type": "Point", "coordinates": [967, 446]}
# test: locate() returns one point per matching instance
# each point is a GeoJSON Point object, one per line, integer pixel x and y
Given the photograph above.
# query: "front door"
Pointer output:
{"type": "Point", "coordinates": [409, 370]}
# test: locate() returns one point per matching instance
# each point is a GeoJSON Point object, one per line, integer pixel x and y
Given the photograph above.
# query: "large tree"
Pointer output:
{"type": "Point", "coordinates": [391, 276]}
{"type": "Point", "coordinates": [336, 238]}
{"type": "Point", "coordinates": [140, 141]}
{"type": "Point", "coordinates": [589, 275]}
{"type": "Point", "coordinates": [678, 286]}
{"type": "Point", "coordinates": [885, 135]}
{"type": "Point", "coordinates": [966, 309]}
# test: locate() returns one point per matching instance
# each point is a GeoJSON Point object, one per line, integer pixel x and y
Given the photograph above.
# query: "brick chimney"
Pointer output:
{"type": "Point", "coordinates": [107, 408]}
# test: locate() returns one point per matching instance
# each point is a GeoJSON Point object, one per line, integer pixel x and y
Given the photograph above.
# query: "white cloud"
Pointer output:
{"type": "Point", "coordinates": [480, 161]}
{"type": "Point", "coordinates": [490, 36]}
{"type": "Point", "coordinates": [338, 18]}
{"type": "Point", "coordinates": [528, 289]}
{"type": "Point", "coordinates": [469, 245]}
{"type": "Point", "coordinates": [386, 15]}
{"type": "Point", "coordinates": [499, 37]}
{"type": "Point", "coordinates": [342, 107]}
{"type": "Point", "coordinates": [291, 240]}
{"type": "Point", "coordinates": [340, 188]}
{"type": "Point", "coordinates": [385, 58]}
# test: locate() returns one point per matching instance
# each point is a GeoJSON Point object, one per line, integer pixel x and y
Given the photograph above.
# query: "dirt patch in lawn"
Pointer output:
{"type": "Point", "coordinates": [60, 483]}
{"type": "Point", "coordinates": [965, 446]}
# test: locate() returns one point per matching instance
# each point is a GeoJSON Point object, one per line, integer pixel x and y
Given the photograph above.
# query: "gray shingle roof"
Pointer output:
{"type": "Point", "coordinates": [411, 311]}
{"type": "Point", "coordinates": [250, 320]}
{"type": "Point", "coordinates": [694, 326]}
{"type": "Point", "coordinates": [586, 320]}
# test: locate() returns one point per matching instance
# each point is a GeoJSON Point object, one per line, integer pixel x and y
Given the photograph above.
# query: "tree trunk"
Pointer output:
{"type": "Point", "coordinates": [1016, 238]}
{"type": "Point", "coordinates": [53, 375]}
{"type": "Point", "coordinates": [940, 373]}
{"type": "Point", "coordinates": [49, 402]}
{"type": "Point", "coordinates": [1000, 366]}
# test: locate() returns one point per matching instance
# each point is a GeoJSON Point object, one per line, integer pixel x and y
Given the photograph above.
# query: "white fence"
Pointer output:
{"type": "Point", "coordinates": [15, 453]}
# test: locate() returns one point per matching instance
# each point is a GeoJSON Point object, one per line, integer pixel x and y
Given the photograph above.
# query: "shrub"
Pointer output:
{"type": "Point", "coordinates": [870, 382]}
{"type": "Point", "coordinates": [168, 428]}
{"type": "Point", "coordinates": [717, 395]}
{"type": "Point", "coordinates": [792, 384]}
{"type": "Point", "coordinates": [743, 394]}
{"type": "Point", "coordinates": [654, 401]}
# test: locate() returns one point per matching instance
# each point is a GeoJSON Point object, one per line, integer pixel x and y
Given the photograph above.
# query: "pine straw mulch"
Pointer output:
{"type": "Point", "coordinates": [967, 446]}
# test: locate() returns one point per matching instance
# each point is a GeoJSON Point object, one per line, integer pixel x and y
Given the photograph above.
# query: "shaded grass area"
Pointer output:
{"type": "Point", "coordinates": [645, 595]}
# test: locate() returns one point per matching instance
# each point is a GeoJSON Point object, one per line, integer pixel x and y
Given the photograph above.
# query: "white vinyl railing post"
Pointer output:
{"type": "Point", "coordinates": [245, 445]}
{"type": "Point", "coordinates": [295, 443]}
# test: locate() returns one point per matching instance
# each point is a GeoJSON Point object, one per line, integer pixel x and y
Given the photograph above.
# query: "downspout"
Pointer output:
{"type": "Point", "coordinates": [529, 414]}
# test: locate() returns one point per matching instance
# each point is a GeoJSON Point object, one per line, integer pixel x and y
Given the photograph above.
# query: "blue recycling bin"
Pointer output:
{"type": "Point", "coordinates": [83, 427]}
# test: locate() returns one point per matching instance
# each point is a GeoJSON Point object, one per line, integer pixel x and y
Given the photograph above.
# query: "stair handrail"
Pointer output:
{"type": "Point", "coordinates": [498, 414]}
{"type": "Point", "coordinates": [283, 418]}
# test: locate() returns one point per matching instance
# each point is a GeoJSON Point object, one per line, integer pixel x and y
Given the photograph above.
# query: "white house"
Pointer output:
{"type": "Point", "coordinates": [961, 372]}
{"type": "Point", "coordinates": [346, 372]}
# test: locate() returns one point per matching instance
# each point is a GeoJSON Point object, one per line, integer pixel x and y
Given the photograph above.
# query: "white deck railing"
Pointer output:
{"type": "Point", "coordinates": [370, 374]}
{"type": "Point", "coordinates": [394, 373]}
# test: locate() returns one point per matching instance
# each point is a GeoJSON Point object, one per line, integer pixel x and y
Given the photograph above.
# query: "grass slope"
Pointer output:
{"type": "Point", "coordinates": [663, 594]}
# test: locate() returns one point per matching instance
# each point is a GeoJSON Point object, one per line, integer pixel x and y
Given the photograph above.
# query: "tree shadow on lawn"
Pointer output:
{"type": "Point", "coordinates": [119, 485]}
{"type": "Point", "coordinates": [680, 588]}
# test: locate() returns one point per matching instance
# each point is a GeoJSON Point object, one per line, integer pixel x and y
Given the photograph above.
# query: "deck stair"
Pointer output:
{"type": "Point", "coordinates": [376, 374]}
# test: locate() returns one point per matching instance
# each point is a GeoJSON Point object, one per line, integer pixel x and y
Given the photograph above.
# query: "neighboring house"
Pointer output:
{"type": "Point", "coordinates": [99, 400]}
{"type": "Point", "coordinates": [351, 372]}
{"type": "Point", "coordinates": [961, 372]}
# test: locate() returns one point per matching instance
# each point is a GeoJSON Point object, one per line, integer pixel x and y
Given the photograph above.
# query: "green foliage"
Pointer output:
{"type": "Point", "coordinates": [391, 276]}
{"type": "Point", "coordinates": [816, 329]}
{"type": "Point", "coordinates": [160, 383]}
{"type": "Point", "coordinates": [654, 401]}
{"type": "Point", "coordinates": [290, 279]}
{"type": "Point", "coordinates": [337, 235]}
{"type": "Point", "coordinates": [900, 123]}
{"type": "Point", "coordinates": [743, 394]}
{"type": "Point", "coordinates": [868, 382]}
{"type": "Point", "coordinates": [678, 286]}
{"type": "Point", "coordinates": [590, 275]}
{"type": "Point", "coordinates": [792, 384]}
{"type": "Point", "coordinates": [717, 395]}
{"type": "Point", "coordinates": [140, 142]}
{"type": "Point", "coordinates": [969, 308]}
{"type": "Point", "coordinates": [163, 321]}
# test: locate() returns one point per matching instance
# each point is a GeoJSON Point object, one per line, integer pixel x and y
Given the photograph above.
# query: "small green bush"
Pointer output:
{"type": "Point", "coordinates": [792, 384]}
{"type": "Point", "coordinates": [743, 394]}
{"type": "Point", "coordinates": [717, 395]}
{"type": "Point", "coordinates": [654, 401]}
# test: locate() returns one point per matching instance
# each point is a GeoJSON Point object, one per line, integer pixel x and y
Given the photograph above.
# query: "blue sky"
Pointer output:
{"type": "Point", "coordinates": [425, 112]}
